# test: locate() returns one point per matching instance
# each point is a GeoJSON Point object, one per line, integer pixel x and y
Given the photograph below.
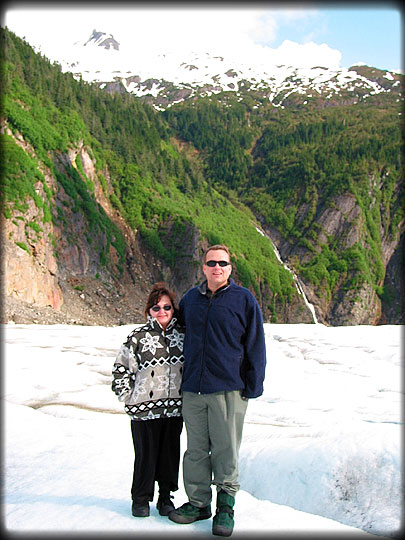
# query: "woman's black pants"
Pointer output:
{"type": "Point", "coordinates": [157, 456]}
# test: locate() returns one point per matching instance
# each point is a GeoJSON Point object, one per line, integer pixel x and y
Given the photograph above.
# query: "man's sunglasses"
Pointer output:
{"type": "Point", "coordinates": [211, 264]}
{"type": "Point", "coordinates": [156, 309]}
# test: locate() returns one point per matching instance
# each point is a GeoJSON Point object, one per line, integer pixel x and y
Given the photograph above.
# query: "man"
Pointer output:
{"type": "Point", "coordinates": [224, 366]}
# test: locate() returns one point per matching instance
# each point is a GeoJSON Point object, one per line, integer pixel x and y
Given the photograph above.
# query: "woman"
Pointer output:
{"type": "Point", "coordinates": [147, 376]}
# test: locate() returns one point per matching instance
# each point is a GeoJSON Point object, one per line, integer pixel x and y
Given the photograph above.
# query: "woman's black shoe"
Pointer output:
{"type": "Point", "coordinates": [164, 505]}
{"type": "Point", "coordinates": [140, 509]}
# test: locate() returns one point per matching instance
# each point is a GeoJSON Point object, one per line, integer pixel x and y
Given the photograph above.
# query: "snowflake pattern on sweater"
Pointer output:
{"type": "Point", "coordinates": [150, 343]}
{"type": "Point", "coordinates": [147, 372]}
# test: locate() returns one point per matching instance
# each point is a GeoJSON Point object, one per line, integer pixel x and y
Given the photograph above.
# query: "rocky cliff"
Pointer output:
{"type": "Point", "coordinates": [53, 274]}
{"type": "Point", "coordinates": [343, 221]}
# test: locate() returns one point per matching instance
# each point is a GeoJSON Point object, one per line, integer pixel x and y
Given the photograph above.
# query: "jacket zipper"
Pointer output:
{"type": "Point", "coordinates": [204, 342]}
{"type": "Point", "coordinates": [169, 362]}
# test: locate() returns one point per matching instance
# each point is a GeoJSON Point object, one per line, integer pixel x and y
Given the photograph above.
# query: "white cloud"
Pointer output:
{"type": "Point", "coordinates": [264, 30]}
{"type": "Point", "coordinates": [308, 55]}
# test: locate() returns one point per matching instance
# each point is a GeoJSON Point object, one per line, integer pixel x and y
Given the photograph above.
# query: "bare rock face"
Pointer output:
{"type": "Point", "coordinates": [343, 221]}
{"type": "Point", "coordinates": [339, 221]}
{"type": "Point", "coordinates": [40, 260]}
{"type": "Point", "coordinates": [30, 263]}
{"type": "Point", "coordinates": [53, 274]}
{"type": "Point", "coordinates": [29, 276]}
{"type": "Point", "coordinates": [393, 301]}
{"type": "Point", "coordinates": [357, 307]}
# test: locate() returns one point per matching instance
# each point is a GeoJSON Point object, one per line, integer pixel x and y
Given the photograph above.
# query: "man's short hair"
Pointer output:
{"type": "Point", "coordinates": [216, 248]}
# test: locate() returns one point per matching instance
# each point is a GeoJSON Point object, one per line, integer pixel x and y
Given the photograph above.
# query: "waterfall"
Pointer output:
{"type": "Point", "coordinates": [294, 275]}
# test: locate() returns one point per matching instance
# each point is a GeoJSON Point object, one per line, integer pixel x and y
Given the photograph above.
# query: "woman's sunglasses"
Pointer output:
{"type": "Point", "coordinates": [211, 264]}
{"type": "Point", "coordinates": [156, 309]}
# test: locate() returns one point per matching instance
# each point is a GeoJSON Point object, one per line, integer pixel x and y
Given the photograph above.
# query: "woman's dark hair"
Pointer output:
{"type": "Point", "coordinates": [158, 290]}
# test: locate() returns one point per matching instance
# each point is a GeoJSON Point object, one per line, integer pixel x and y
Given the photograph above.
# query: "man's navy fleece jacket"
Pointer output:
{"type": "Point", "coordinates": [224, 347]}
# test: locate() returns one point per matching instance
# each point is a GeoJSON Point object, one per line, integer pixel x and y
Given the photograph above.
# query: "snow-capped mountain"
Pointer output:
{"type": "Point", "coordinates": [101, 39]}
{"type": "Point", "coordinates": [165, 78]}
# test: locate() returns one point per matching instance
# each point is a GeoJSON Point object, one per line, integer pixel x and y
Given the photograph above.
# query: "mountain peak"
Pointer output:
{"type": "Point", "coordinates": [101, 39]}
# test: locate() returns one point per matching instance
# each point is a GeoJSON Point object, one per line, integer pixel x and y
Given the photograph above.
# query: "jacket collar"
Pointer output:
{"type": "Point", "coordinates": [203, 288]}
{"type": "Point", "coordinates": [155, 324]}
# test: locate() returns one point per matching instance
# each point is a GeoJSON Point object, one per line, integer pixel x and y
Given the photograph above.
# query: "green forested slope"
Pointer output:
{"type": "Point", "coordinates": [152, 175]}
{"type": "Point", "coordinates": [295, 165]}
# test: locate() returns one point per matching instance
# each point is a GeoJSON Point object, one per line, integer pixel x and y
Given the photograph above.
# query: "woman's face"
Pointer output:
{"type": "Point", "coordinates": [163, 315]}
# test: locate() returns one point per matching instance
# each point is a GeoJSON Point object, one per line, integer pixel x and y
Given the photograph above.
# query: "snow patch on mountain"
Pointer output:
{"type": "Point", "coordinates": [100, 59]}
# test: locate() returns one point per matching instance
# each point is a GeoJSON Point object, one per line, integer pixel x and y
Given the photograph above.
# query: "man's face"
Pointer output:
{"type": "Point", "coordinates": [217, 276]}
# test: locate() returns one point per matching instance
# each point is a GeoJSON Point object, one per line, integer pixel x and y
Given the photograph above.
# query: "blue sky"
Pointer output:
{"type": "Point", "coordinates": [338, 35]}
{"type": "Point", "coordinates": [371, 34]}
